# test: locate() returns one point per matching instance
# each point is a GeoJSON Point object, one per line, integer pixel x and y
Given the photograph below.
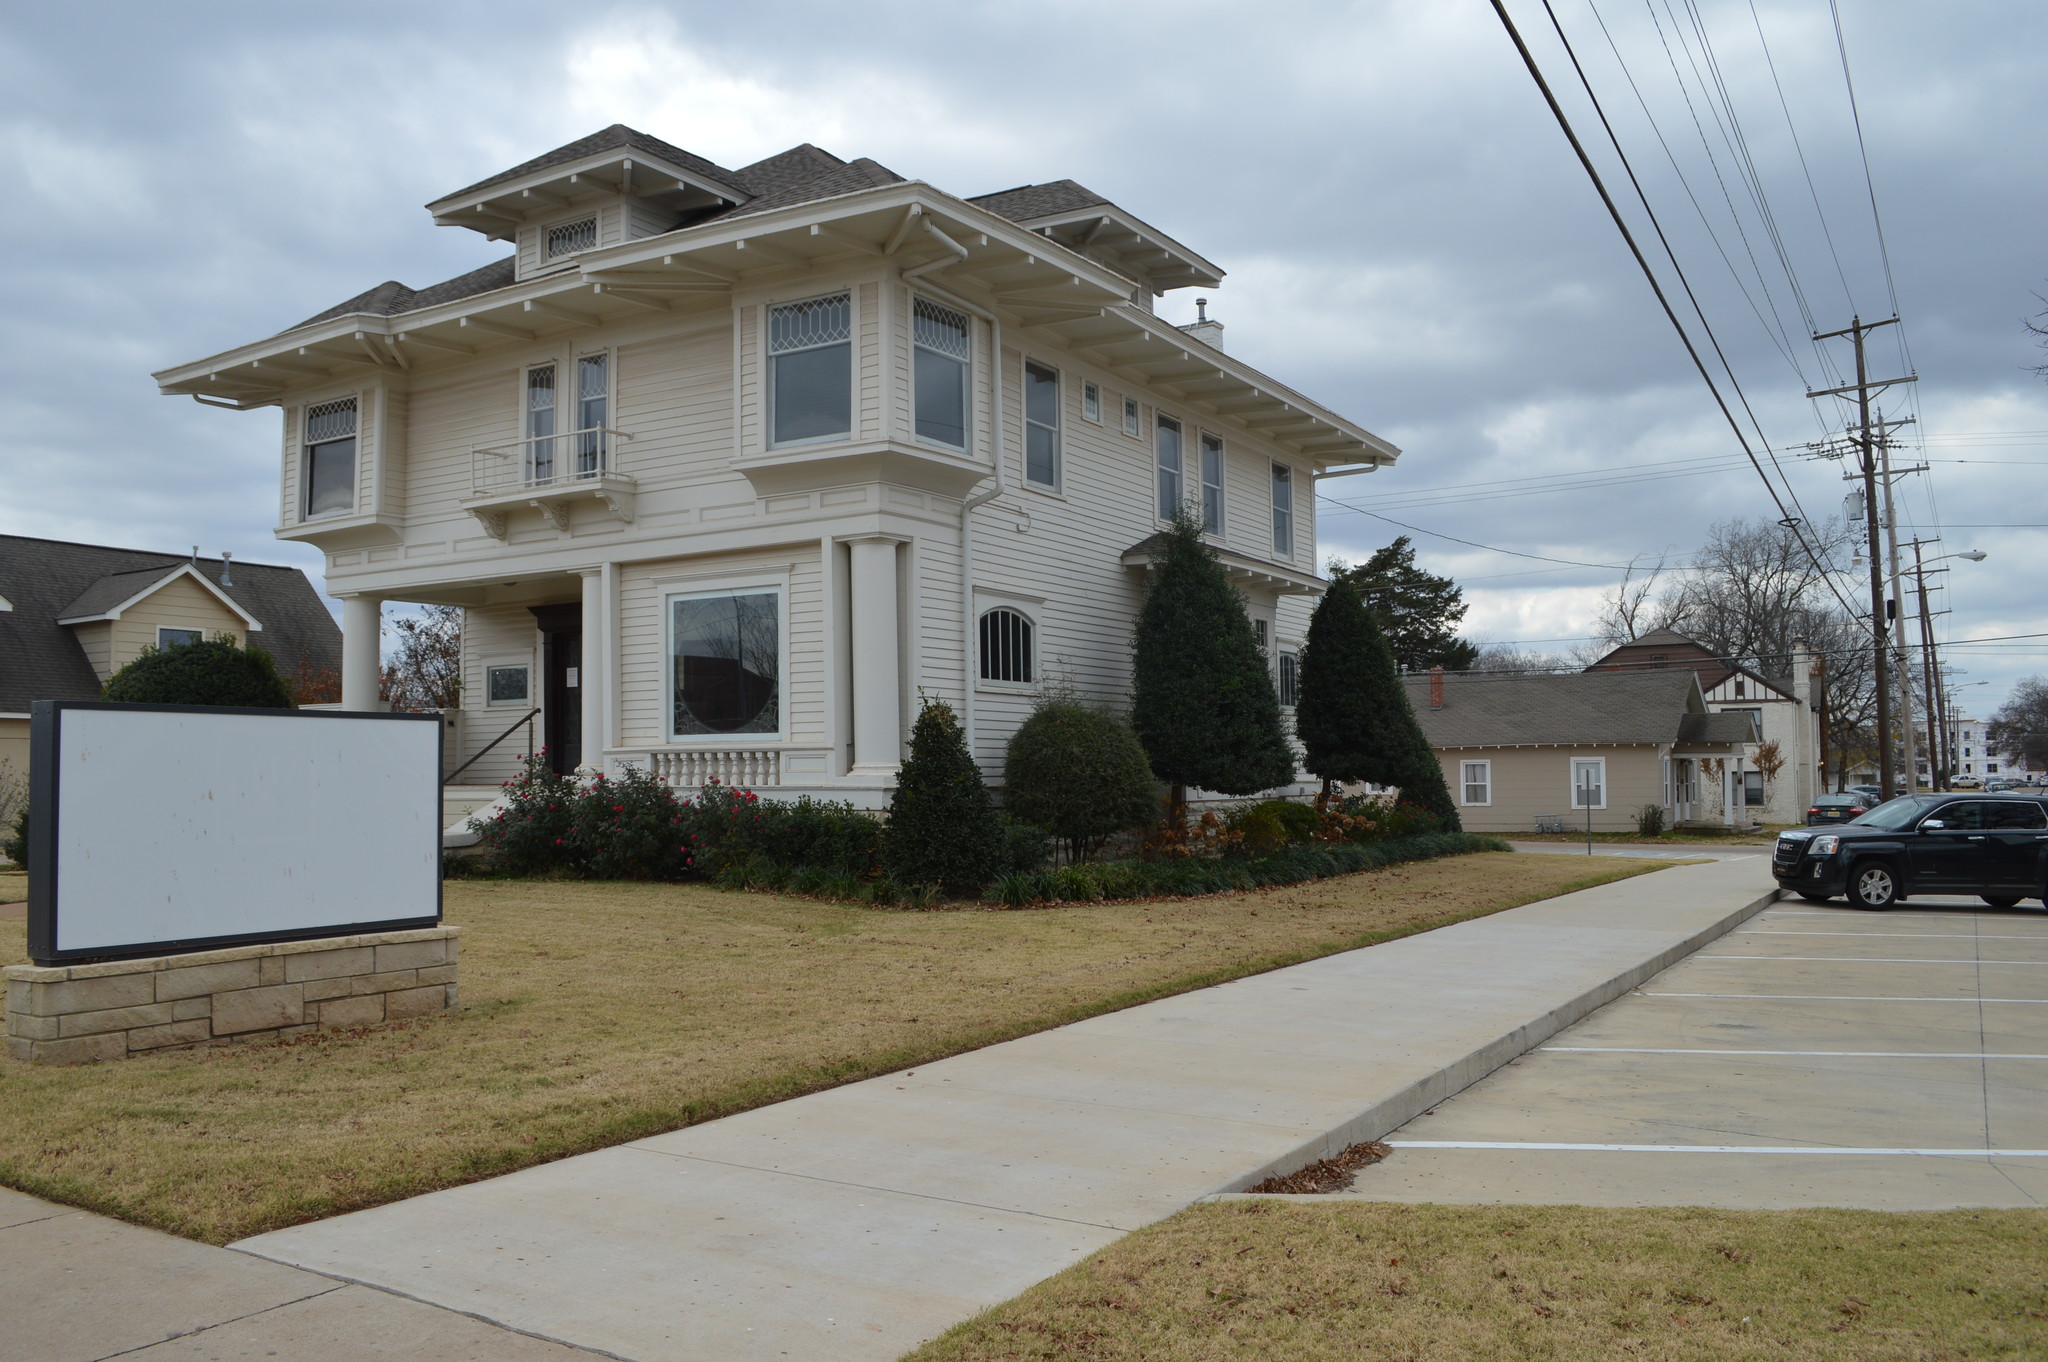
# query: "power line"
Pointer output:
{"type": "Point", "coordinates": [1438, 534]}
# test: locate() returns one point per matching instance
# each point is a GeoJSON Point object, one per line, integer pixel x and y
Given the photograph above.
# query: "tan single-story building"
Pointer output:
{"type": "Point", "coordinates": [71, 615]}
{"type": "Point", "coordinates": [1524, 752]}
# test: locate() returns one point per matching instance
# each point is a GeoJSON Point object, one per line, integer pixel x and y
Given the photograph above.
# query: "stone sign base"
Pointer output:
{"type": "Point", "coordinates": [71, 1014]}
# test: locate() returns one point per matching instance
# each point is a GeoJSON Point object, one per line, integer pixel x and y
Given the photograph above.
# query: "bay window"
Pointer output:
{"type": "Point", "coordinates": [939, 361]}
{"type": "Point", "coordinates": [330, 441]}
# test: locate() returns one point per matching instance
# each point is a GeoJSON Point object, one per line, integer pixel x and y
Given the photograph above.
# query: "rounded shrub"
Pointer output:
{"type": "Point", "coordinates": [212, 671]}
{"type": "Point", "coordinates": [943, 830]}
{"type": "Point", "coordinates": [1080, 774]}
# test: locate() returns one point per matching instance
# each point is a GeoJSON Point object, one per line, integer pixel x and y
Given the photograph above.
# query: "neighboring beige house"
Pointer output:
{"type": "Point", "coordinates": [1785, 711]}
{"type": "Point", "coordinates": [1519, 751]}
{"type": "Point", "coordinates": [726, 467]}
{"type": "Point", "coordinates": [71, 615]}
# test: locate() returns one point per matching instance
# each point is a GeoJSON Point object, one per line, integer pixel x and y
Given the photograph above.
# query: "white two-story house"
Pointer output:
{"type": "Point", "coordinates": [727, 467]}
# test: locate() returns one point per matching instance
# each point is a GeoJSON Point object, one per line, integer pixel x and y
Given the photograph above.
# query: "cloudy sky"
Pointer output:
{"type": "Point", "coordinates": [1407, 234]}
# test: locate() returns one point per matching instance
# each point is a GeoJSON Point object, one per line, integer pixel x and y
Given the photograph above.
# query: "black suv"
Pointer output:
{"type": "Point", "coordinates": [1993, 846]}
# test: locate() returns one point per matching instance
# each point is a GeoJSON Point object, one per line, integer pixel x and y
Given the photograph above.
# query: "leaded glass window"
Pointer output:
{"type": "Point", "coordinates": [939, 360]}
{"type": "Point", "coordinates": [571, 237]}
{"type": "Point", "coordinates": [331, 457]}
{"type": "Point", "coordinates": [810, 369]}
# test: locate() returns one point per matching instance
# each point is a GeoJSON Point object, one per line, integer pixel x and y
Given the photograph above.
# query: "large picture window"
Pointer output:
{"type": "Point", "coordinates": [939, 361]}
{"type": "Point", "coordinates": [725, 655]}
{"type": "Point", "coordinates": [810, 370]}
{"type": "Point", "coordinates": [1171, 474]}
{"type": "Point", "coordinates": [1041, 424]}
{"type": "Point", "coordinates": [1006, 646]}
{"type": "Point", "coordinates": [331, 457]}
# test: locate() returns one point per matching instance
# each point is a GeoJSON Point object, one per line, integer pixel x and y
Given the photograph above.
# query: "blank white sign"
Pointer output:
{"type": "Point", "coordinates": [197, 826]}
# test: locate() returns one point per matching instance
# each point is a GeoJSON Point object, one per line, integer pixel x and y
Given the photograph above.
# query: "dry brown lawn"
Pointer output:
{"type": "Point", "coordinates": [1309, 1281]}
{"type": "Point", "coordinates": [599, 1013]}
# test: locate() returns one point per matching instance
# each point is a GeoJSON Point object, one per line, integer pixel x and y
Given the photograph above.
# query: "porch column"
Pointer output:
{"type": "Point", "coordinates": [362, 628]}
{"type": "Point", "coordinates": [877, 679]}
{"type": "Point", "coordinates": [592, 675]}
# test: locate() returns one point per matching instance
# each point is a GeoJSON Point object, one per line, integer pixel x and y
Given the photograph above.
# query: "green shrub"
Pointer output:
{"type": "Point", "coordinates": [1650, 820]}
{"type": "Point", "coordinates": [943, 831]}
{"type": "Point", "coordinates": [1080, 774]}
{"type": "Point", "coordinates": [1377, 820]}
{"type": "Point", "coordinates": [210, 672]}
{"type": "Point", "coordinates": [724, 824]}
{"type": "Point", "coordinates": [530, 835]}
{"type": "Point", "coordinates": [15, 847]}
{"type": "Point", "coordinates": [1071, 884]}
{"type": "Point", "coordinates": [630, 828]}
{"type": "Point", "coordinates": [1271, 824]}
{"type": "Point", "coordinates": [1025, 848]}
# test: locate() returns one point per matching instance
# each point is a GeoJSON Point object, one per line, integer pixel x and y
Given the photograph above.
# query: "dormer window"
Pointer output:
{"type": "Point", "coordinates": [330, 474]}
{"type": "Point", "coordinates": [568, 238]}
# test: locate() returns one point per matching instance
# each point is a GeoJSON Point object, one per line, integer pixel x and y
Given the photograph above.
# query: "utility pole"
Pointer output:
{"type": "Point", "coordinates": [1867, 443]}
{"type": "Point", "coordinates": [1895, 606]}
{"type": "Point", "coordinates": [1930, 672]}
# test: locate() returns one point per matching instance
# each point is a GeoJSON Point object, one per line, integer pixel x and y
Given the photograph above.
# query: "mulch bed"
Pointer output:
{"type": "Point", "coordinates": [1326, 1175]}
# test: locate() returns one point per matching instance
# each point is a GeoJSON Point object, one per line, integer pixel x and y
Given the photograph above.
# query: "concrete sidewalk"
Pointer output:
{"type": "Point", "coordinates": [855, 1223]}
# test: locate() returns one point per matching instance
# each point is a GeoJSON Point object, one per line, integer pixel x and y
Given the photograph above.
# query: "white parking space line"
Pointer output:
{"type": "Point", "coordinates": [1719, 1149]}
{"type": "Point", "coordinates": [1808, 1054]}
{"type": "Point", "coordinates": [1888, 916]}
{"type": "Point", "coordinates": [1849, 997]}
{"type": "Point", "coordinates": [1902, 936]}
{"type": "Point", "coordinates": [1864, 960]}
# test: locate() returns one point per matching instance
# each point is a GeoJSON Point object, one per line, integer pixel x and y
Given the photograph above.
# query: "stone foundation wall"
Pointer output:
{"type": "Point", "coordinates": [71, 1014]}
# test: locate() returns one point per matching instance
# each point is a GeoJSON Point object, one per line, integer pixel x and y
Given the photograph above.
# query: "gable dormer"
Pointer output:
{"type": "Point", "coordinates": [613, 186]}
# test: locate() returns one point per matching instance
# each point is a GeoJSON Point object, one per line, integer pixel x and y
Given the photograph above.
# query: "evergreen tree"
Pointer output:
{"type": "Point", "coordinates": [1418, 611]}
{"type": "Point", "coordinates": [943, 828]}
{"type": "Point", "coordinates": [1203, 704]}
{"type": "Point", "coordinates": [1079, 774]}
{"type": "Point", "coordinates": [1352, 713]}
{"type": "Point", "coordinates": [210, 672]}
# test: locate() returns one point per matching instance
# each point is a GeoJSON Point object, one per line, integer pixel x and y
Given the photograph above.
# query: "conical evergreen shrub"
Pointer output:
{"type": "Point", "coordinates": [1352, 712]}
{"type": "Point", "coordinates": [943, 828]}
{"type": "Point", "coordinates": [1203, 703]}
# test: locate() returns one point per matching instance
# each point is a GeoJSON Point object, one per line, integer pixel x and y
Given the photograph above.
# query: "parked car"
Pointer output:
{"type": "Point", "coordinates": [1965, 783]}
{"type": "Point", "coordinates": [1993, 846]}
{"type": "Point", "coordinates": [1876, 792]}
{"type": "Point", "coordinates": [2000, 786]}
{"type": "Point", "coordinates": [1838, 808]}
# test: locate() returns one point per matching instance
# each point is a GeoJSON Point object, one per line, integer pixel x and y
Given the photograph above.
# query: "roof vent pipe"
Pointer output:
{"type": "Point", "coordinates": [1205, 328]}
{"type": "Point", "coordinates": [195, 555]}
{"type": "Point", "coordinates": [1436, 687]}
{"type": "Point", "coordinates": [227, 568]}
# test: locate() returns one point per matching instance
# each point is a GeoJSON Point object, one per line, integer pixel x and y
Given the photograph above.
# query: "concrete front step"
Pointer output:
{"type": "Point", "coordinates": [855, 1223]}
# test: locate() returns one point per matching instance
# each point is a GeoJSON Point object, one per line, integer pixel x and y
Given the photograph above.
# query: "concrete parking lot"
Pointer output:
{"type": "Point", "coordinates": [1817, 1056]}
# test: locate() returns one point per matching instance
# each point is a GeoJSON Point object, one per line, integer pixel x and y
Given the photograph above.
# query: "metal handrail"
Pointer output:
{"type": "Point", "coordinates": [564, 449]}
{"type": "Point", "coordinates": [504, 450]}
{"type": "Point", "coordinates": [526, 718]}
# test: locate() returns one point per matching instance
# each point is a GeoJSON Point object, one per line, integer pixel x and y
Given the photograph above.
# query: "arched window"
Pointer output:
{"type": "Point", "coordinates": [1006, 646]}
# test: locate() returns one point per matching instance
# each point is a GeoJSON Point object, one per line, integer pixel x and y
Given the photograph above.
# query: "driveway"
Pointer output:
{"type": "Point", "coordinates": [1817, 1056]}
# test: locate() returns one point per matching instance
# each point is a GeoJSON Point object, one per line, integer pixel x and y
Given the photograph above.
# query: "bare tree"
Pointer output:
{"type": "Point", "coordinates": [1635, 608]}
{"type": "Point", "coordinates": [425, 670]}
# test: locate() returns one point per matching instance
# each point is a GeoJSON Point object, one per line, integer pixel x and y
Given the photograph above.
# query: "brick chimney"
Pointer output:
{"type": "Point", "coordinates": [1436, 687]}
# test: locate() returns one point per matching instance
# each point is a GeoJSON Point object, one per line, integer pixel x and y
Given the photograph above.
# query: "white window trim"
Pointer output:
{"type": "Point", "coordinates": [1200, 498]}
{"type": "Point", "coordinates": [490, 662]}
{"type": "Point", "coordinates": [1088, 386]}
{"type": "Point", "coordinates": [1160, 414]}
{"type": "Point", "coordinates": [304, 497]}
{"type": "Point", "coordinates": [1057, 487]}
{"type": "Point", "coordinates": [1287, 650]}
{"type": "Point", "coordinates": [1294, 481]}
{"type": "Point", "coordinates": [969, 389]}
{"type": "Point", "coordinates": [595, 216]}
{"type": "Point", "coordinates": [1572, 783]}
{"type": "Point", "coordinates": [198, 635]}
{"type": "Point", "coordinates": [983, 609]}
{"type": "Point", "coordinates": [1134, 418]}
{"type": "Point", "coordinates": [853, 357]}
{"type": "Point", "coordinates": [736, 586]}
{"type": "Point", "coordinates": [1465, 783]}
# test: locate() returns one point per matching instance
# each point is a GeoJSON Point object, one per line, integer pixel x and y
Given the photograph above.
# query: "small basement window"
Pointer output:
{"type": "Point", "coordinates": [570, 237]}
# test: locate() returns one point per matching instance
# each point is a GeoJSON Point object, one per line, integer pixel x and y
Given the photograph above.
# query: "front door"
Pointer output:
{"type": "Point", "coordinates": [561, 630]}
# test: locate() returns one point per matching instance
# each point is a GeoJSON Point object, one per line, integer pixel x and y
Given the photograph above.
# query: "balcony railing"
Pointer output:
{"type": "Point", "coordinates": [544, 462]}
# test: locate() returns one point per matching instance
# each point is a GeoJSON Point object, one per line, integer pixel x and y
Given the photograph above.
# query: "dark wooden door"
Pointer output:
{"type": "Point", "coordinates": [561, 628]}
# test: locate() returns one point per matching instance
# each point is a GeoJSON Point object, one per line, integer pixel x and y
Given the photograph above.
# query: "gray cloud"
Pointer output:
{"type": "Point", "coordinates": [1408, 236]}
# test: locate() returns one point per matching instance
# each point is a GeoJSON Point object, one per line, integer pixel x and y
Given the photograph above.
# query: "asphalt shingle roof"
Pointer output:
{"type": "Point", "coordinates": [618, 137]}
{"type": "Point", "coordinates": [1579, 709]}
{"type": "Point", "coordinates": [1040, 200]}
{"type": "Point", "coordinates": [50, 579]}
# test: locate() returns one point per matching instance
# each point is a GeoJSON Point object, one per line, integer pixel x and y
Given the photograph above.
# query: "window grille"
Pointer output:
{"type": "Point", "coordinates": [1130, 416]}
{"type": "Point", "coordinates": [820, 321]}
{"type": "Point", "coordinates": [540, 423]}
{"type": "Point", "coordinates": [810, 369]}
{"type": "Point", "coordinates": [593, 402]}
{"type": "Point", "coordinates": [940, 351]}
{"type": "Point", "coordinates": [572, 237]}
{"type": "Point", "coordinates": [1169, 461]}
{"type": "Point", "coordinates": [1283, 510]}
{"type": "Point", "coordinates": [1290, 679]}
{"type": "Point", "coordinates": [1005, 646]}
{"type": "Point", "coordinates": [1091, 401]}
{"type": "Point", "coordinates": [1259, 632]}
{"type": "Point", "coordinates": [331, 421]}
{"type": "Point", "coordinates": [1041, 424]}
{"type": "Point", "coordinates": [176, 638]}
{"type": "Point", "coordinates": [1212, 484]}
